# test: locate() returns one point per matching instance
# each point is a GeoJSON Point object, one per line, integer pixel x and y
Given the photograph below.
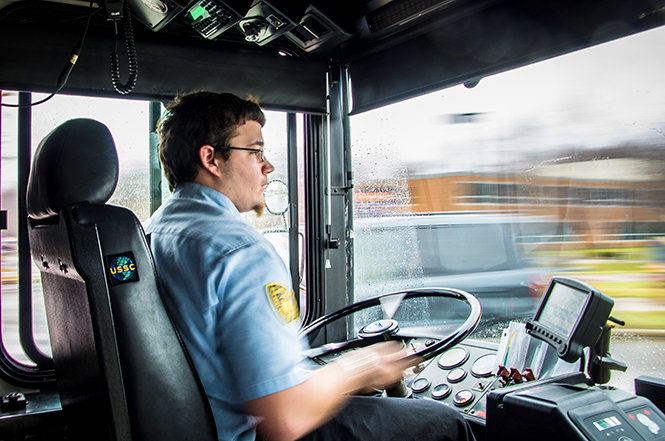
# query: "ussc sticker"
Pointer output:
{"type": "Point", "coordinates": [283, 303]}
{"type": "Point", "coordinates": [122, 268]}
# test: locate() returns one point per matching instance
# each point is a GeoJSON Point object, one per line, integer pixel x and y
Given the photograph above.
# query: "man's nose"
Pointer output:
{"type": "Point", "coordinates": [267, 167]}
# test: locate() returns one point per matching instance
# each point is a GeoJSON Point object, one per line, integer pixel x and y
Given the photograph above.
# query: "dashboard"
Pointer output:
{"type": "Point", "coordinates": [559, 407]}
{"type": "Point", "coordinates": [460, 377]}
{"type": "Point", "coordinates": [538, 379]}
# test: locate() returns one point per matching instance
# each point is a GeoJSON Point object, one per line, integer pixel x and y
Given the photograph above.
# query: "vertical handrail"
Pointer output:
{"type": "Point", "coordinates": [26, 334]}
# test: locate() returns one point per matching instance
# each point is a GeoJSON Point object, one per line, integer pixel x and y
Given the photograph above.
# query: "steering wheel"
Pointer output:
{"type": "Point", "coordinates": [388, 329]}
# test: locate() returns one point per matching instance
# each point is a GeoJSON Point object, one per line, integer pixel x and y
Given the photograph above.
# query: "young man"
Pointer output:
{"type": "Point", "coordinates": [231, 298]}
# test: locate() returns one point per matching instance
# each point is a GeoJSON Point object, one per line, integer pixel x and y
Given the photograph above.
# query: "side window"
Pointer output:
{"type": "Point", "coordinates": [275, 138]}
{"type": "Point", "coordinates": [552, 169]}
{"type": "Point", "coordinates": [275, 225]}
{"type": "Point", "coordinates": [129, 123]}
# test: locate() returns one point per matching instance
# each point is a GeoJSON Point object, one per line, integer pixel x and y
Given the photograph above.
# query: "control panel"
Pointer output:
{"type": "Point", "coordinates": [569, 408]}
{"type": "Point", "coordinates": [559, 407]}
{"type": "Point", "coordinates": [210, 17]}
{"type": "Point", "coordinates": [460, 377]}
{"type": "Point", "coordinates": [533, 383]}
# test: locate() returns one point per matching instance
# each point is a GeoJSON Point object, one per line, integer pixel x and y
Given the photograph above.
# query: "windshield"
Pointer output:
{"type": "Point", "coordinates": [552, 169]}
{"type": "Point", "coordinates": [444, 250]}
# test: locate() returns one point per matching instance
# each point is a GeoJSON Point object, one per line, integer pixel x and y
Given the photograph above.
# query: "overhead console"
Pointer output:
{"type": "Point", "coordinates": [312, 31]}
{"type": "Point", "coordinates": [155, 13]}
{"type": "Point", "coordinates": [210, 17]}
{"type": "Point", "coordinates": [261, 24]}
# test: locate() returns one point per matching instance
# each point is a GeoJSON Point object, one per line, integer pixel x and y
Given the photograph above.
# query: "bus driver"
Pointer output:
{"type": "Point", "coordinates": [231, 298]}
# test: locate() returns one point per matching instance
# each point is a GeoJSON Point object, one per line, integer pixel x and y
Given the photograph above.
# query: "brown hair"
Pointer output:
{"type": "Point", "coordinates": [196, 119]}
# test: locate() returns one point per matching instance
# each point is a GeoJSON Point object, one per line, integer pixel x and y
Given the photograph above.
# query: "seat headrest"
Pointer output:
{"type": "Point", "coordinates": [75, 163]}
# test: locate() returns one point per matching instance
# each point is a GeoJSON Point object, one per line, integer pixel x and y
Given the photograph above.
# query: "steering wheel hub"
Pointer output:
{"type": "Point", "coordinates": [379, 327]}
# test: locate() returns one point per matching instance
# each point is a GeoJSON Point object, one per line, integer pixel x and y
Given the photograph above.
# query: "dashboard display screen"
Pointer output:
{"type": "Point", "coordinates": [571, 317]}
{"type": "Point", "coordinates": [607, 423]}
{"type": "Point", "coordinates": [563, 308]}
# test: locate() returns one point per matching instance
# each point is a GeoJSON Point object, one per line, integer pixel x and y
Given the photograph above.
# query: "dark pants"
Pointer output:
{"type": "Point", "coordinates": [399, 419]}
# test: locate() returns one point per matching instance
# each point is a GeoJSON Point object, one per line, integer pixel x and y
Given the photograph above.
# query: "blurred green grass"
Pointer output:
{"type": "Point", "coordinates": [647, 290]}
{"type": "Point", "coordinates": [641, 319]}
{"type": "Point", "coordinates": [636, 272]}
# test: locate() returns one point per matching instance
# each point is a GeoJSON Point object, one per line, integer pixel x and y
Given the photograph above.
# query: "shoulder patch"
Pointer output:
{"type": "Point", "coordinates": [283, 303]}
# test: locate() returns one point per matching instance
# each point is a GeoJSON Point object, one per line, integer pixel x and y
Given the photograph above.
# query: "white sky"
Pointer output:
{"type": "Point", "coordinates": [597, 97]}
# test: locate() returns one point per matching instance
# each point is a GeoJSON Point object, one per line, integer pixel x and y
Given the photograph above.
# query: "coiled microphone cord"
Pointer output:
{"type": "Point", "coordinates": [131, 54]}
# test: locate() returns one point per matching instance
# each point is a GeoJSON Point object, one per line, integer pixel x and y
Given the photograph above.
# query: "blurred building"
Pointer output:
{"type": "Point", "coordinates": [603, 203]}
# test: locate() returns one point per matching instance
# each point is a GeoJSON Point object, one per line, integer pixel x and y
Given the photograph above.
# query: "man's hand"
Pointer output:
{"type": "Point", "coordinates": [294, 412]}
{"type": "Point", "coordinates": [375, 367]}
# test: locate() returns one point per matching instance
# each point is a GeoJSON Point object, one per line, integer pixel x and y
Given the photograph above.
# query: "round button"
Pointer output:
{"type": "Point", "coordinates": [421, 384]}
{"type": "Point", "coordinates": [456, 375]}
{"type": "Point", "coordinates": [453, 358]}
{"type": "Point", "coordinates": [463, 398]}
{"type": "Point", "coordinates": [441, 391]}
{"type": "Point", "coordinates": [484, 366]}
{"type": "Point", "coordinates": [379, 327]}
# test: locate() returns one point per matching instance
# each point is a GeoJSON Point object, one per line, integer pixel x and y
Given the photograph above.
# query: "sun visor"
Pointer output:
{"type": "Point", "coordinates": [464, 48]}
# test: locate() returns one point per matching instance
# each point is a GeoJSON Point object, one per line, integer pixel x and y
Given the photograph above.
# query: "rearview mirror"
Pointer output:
{"type": "Point", "coordinates": [276, 197]}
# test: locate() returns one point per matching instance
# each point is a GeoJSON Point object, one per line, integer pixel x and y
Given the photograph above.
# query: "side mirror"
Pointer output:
{"type": "Point", "coordinates": [276, 197]}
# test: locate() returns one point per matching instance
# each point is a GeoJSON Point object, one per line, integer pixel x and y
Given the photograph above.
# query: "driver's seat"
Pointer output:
{"type": "Point", "coordinates": [122, 370]}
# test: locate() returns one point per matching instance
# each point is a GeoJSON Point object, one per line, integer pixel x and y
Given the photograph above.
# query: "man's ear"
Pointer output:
{"type": "Point", "coordinates": [209, 160]}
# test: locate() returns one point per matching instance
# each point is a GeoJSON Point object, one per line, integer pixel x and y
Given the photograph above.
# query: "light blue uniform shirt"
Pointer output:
{"type": "Point", "coordinates": [230, 296]}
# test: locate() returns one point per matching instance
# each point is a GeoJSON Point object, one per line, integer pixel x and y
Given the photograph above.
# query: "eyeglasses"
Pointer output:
{"type": "Point", "coordinates": [260, 155]}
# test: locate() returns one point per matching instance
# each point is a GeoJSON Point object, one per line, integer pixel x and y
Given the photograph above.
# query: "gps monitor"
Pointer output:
{"type": "Point", "coordinates": [570, 317]}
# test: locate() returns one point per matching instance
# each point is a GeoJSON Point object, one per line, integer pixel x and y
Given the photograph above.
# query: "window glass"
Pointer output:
{"type": "Point", "coordinates": [275, 225]}
{"type": "Point", "coordinates": [9, 263]}
{"type": "Point", "coordinates": [552, 169]}
{"type": "Point", "coordinates": [128, 121]}
{"type": "Point", "coordinates": [275, 138]}
{"type": "Point", "coordinates": [437, 241]}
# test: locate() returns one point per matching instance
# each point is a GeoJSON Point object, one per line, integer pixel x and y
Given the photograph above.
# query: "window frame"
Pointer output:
{"type": "Point", "coordinates": [43, 373]}
{"type": "Point", "coordinates": [11, 370]}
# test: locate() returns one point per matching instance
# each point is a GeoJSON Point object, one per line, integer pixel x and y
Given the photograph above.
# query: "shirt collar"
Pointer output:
{"type": "Point", "coordinates": [194, 190]}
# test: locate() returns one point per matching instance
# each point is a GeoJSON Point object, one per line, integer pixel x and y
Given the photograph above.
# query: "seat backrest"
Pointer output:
{"type": "Point", "coordinates": [121, 368]}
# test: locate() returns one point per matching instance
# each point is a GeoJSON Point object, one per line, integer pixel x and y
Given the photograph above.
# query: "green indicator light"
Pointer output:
{"type": "Point", "coordinates": [198, 12]}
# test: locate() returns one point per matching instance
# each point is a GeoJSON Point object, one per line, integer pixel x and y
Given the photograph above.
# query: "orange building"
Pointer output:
{"type": "Point", "coordinates": [590, 211]}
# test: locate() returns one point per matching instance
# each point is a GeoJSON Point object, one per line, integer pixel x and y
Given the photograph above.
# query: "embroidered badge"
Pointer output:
{"type": "Point", "coordinates": [283, 303]}
{"type": "Point", "coordinates": [122, 269]}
